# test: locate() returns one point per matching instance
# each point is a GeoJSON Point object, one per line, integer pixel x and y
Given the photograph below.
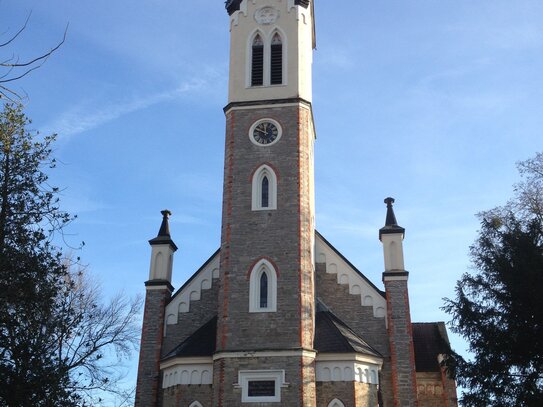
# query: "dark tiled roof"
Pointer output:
{"type": "Point", "coordinates": [430, 340]}
{"type": "Point", "coordinates": [333, 336]}
{"type": "Point", "coordinates": [200, 343]}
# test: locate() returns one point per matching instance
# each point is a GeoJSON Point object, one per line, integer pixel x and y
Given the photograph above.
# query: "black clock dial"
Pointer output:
{"type": "Point", "coordinates": [265, 133]}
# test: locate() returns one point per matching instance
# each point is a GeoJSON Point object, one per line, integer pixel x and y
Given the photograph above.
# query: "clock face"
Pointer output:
{"type": "Point", "coordinates": [265, 132]}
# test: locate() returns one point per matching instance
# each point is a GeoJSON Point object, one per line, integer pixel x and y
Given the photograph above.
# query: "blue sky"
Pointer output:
{"type": "Point", "coordinates": [431, 102]}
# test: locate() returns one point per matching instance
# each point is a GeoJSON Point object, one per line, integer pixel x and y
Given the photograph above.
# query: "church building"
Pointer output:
{"type": "Point", "coordinates": [277, 316]}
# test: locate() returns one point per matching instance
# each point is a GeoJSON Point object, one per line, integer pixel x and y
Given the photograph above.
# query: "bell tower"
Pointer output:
{"type": "Point", "coordinates": [265, 328]}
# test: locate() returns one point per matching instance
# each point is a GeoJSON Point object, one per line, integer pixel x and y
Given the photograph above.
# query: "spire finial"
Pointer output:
{"type": "Point", "coordinates": [391, 224]}
{"type": "Point", "coordinates": [165, 226]}
{"type": "Point", "coordinates": [163, 236]}
{"type": "Point", "coordinates": [391, 218]}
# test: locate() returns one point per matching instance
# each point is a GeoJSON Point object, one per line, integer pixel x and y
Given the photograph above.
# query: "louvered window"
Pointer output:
{"type": "Point", "coordinates": [257, 65]}
{"type": "Point", "coordinates": [276, 61]}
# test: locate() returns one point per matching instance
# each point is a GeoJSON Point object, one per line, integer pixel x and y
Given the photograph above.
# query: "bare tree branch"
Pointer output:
{"type": "Point", "coordinates": [15, 69]}
{"type": "Point", "coordinates": [18, 32]}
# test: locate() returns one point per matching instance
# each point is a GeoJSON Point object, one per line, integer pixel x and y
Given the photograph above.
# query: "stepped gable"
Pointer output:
{"type": "Point", "coordinates": [430, 340]}
{"type": "Point", "coordinates": [334, 336]}
{"type": "Point", "coordinates": [200, 343]}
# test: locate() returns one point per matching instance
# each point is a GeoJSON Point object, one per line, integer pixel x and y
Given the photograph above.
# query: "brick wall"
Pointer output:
{"type": "Point", "coordinates": [283, 235]}
{"type": "Point", "coordinates": [402, 354]}
{"type": "Point", "coordinates": [185, 395]}
{"type": "Point", "coordinates": [361, 320]}
{"type": "Point", "coordinates": [148, 381]}
{"type": "Point", "coordinates": [300, 391]}
{"type": "Point", "coordinates": [201, 311]}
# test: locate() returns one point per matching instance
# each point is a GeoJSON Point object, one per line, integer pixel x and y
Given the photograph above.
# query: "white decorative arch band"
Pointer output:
{"type": "Point", "coordinates": [369, 296]}
{"type": "Point", "coordinates": [203, 280]}
{"type": "Point", "coordinates": [347, 371]}
{"type": "Point", "coordinates": [187, 374]}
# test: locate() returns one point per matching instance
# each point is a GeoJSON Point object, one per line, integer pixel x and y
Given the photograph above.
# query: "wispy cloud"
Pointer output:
{"type": "Point", "coordinates": [83, 118]}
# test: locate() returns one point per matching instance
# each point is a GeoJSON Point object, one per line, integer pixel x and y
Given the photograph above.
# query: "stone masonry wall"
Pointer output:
{"type": "Point", "coordinates": [402, 353]}
{"type": "Point", "coordinates": [148, 381]}
{"type": "Point", "coordinates": [328, 391]}
{"type": "Point", "coordinates": [185, 395]}
{"type": "Point", "coordinates": [282, 236]}
{"type": "Point", "coordinates": [200, 312]}
{"type": "Point", "coordinates": [361, 320]}
{"type": "Point", "coordinates": [226, 393]}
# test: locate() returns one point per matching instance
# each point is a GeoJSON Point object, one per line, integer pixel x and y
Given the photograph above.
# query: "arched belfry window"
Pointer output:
{"type": "Point", "coordinates": [263, 287]}
{"type": "Point", "coordinates": [257, 61]}
{"type": "Point", "coordinates": [264, 189]}
{"type": "Point", "coordinates": [276, 60]}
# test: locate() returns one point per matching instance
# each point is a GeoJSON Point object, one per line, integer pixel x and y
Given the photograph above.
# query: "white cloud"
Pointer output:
{"type": "Point", "coordinates": [82, 118]}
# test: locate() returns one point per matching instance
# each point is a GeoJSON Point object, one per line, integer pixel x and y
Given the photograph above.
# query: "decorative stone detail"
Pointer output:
{"type": "Point", "coordinates": [347, 371]}
{"type": "Point", "coordinates": [369, 296]}
{"type": "Point", "coordinates": [187, 374]}
{"type": "Point", "coordinates": [192, 291]}
{"type": "Point", "coordinates": [266, 15]}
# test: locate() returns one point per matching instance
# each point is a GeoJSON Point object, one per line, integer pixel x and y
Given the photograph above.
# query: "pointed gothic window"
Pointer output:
{"type": "Point", "coordinates": [264, 196]}
{"type": "Point", "coordinates": [263, 287]}
{"type": "Point", "coordinates": [257, 62]}
{"type": "Point", "coordinates": [336, 403]}
{"type": "Point", "coordinates": [276, 60]}
{"type": "Point", "coordinates": [265, 192]}
{"type": "Point", "coordinates": [264, 290]}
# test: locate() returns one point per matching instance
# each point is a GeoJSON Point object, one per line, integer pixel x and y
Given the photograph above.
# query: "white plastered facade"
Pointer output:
{"type": "Point", "coordinates": [297, 37]}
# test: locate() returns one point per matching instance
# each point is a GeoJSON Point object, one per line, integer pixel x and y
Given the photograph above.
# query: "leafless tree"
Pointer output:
{"type": "Point", "coordinates": [13, 67]}
{"type": "Point", "coordinates": [102, 335]}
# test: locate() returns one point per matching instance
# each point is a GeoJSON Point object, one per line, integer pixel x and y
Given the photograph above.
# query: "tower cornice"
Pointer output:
{"type": "Point", "coordinates": [261, 103]}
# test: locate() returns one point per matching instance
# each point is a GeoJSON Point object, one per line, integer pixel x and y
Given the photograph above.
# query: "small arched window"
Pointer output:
{"type": "Point", "coordinates": [257, 61]}
{"type": "Point", "coordinates": [264, 196]}
{"type": "Point", "coordinates": [195, 404]}
{"type": "Point", "coordinates": [276, 60]}
{"type": "Point", "coordinates": [263, 287]}
{"type": "Point", "coordinates": [336, 403]}
{"type": "Point", "coordinates": [264, 290]}
{"type": "Point", "coordinates": [265, 193]}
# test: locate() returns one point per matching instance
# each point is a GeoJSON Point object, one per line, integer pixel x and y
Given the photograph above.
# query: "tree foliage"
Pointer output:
{"type": "Point", "coordinates": [498, 307]}
{"type": "Point", "coordinates": [59, 343]}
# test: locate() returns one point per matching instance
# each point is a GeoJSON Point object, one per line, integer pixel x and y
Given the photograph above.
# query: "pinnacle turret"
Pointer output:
{"type": "Point", "coordinates": [391, 224]}
{"type": "Point", "coordinates": [163, 236]}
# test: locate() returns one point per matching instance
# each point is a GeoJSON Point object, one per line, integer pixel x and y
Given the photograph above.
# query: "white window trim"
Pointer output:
{"type": "Point", "coordinates": [254, 287]}
{"type": "Point", "coordinates": [260, 173]}
{"type": "Point", "coordinates": [277, 30]}
{"type": "Point", "coordinates": [245, 376]}
{"type": "Point", "coordinates": [267, 39]}
{"type": "Point", "coordinates": [336, 403]}
{"type": "Point", "coordinates": [195, 404]}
